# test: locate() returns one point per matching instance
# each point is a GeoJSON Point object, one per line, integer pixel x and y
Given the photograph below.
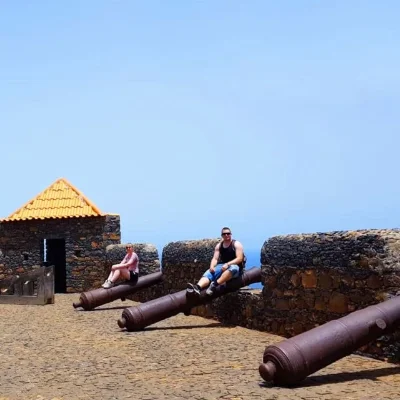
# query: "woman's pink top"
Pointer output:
{"type": "Point", "coordinates": [132, 262]}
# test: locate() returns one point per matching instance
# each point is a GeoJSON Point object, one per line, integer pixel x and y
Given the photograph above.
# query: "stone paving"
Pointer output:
{"type": "Point", "coordinates": [55, 352]}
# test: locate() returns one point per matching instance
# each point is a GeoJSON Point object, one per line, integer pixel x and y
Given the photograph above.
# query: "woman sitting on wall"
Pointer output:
{"type": "Point", "coordinates": [128, 269]}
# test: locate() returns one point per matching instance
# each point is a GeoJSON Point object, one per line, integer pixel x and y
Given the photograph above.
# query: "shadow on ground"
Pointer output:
{"type": "Point", "coordinates": [167, 328]}
{"type": "Point", "coordinates": [312, 381]}
{"type": "Point", "coordinates": [107, 308]}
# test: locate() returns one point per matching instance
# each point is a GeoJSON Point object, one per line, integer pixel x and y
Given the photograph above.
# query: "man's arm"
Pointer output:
{"type": "Point", "coordinates": [214, 260]}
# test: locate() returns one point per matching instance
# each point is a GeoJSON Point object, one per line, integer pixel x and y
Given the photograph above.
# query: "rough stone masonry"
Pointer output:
{"type": "Point", "coordinates": [313, 278]}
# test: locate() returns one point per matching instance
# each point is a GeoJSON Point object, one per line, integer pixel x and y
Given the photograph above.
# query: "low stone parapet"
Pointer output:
{"type": "Point", "coordinates": [186, 261]}
{"type": "Point", "coordinates": [310, 279]}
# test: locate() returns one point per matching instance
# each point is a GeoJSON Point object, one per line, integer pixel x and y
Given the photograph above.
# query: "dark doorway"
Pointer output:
{"type": "Point", "coordinates": [55, 255]}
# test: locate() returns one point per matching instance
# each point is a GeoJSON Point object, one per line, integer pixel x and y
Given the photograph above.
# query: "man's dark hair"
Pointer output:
{"type": "Point", "coordinates": [224, 228]}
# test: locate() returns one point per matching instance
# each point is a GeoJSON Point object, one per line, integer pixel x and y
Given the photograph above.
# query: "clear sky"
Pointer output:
{"type": "Point", "coordinates": [271, 117]}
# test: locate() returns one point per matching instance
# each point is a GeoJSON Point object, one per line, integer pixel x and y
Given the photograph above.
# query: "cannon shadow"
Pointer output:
{"type": "Point", "coordinates": [167, 328]}
{"type": "Point", "coordinates": [326, 379]}
{"type": "Point", "coordinates": [105, 309]}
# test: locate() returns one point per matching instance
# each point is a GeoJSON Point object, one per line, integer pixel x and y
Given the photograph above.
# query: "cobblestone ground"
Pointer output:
{"type": "Point", "coordinates": [57, 352]}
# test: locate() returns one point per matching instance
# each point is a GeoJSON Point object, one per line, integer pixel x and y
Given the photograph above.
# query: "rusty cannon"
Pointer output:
{"type": "Point", "coordinates": [98, 297]}
{"type": "Point", "coordinates": [137, 318]}
{"type": "Point", "coordinates": [290, 361]}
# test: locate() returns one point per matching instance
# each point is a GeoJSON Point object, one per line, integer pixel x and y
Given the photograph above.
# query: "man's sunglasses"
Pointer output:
{"type": "Point", "coordinates": [129, 247]}
{"type": "Point", "coordinates": [226, 233]}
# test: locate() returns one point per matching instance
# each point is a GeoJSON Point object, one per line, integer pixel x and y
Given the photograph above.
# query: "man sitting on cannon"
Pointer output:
{"type": "Point", "coordinates": [227, 263]}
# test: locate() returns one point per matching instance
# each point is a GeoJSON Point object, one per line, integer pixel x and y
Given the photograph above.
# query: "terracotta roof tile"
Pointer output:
{"type": "Point", "coordinates": [59, 200]}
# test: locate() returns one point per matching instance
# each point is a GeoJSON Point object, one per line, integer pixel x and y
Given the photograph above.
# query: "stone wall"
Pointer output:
{"type": "Point", "coordinates": [186, 261]}
{"type": "Point", "coordinates": [21, 247]}
{"type": "Point", "coordinates": [308, 280]}
{"type": "Point", "coordinates": [314, 278]}
{"type": "Point", "coordinates": [243, 308]}
{"type": "Point", "coordinates": [149, 262]}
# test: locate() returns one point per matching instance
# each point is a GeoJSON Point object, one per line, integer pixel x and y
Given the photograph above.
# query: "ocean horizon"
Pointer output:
{"type": "Point", "coordinates": [253, 260]}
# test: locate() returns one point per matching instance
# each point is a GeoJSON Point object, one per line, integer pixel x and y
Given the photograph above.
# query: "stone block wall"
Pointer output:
{"type": "Point", "coordinates": [314, 278]}
{"type": "Point", "coordinates": [21, 247]}
{"type": "Point", "coordinates": [243, 308]}
{"type": "Point", "coordinates": [186, 261]}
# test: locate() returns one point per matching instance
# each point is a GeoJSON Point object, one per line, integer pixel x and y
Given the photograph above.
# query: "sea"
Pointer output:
{"type": "Point", "coordinates": [253, 260]}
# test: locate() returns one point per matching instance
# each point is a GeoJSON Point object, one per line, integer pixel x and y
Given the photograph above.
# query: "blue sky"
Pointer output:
{"type": "Point", "coordinates": [184, 116]}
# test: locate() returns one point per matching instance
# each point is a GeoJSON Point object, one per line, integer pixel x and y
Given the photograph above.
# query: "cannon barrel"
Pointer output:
{"type": "Point", "coordinates": [292, 360]}
{"type": "Point", "coordinates": [137, 318]}
{"type": "Point", "coordinates": [97, 297]}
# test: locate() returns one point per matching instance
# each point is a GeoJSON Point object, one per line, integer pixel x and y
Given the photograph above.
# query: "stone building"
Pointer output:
{"type": "Point", "coordinates": [59, 227]}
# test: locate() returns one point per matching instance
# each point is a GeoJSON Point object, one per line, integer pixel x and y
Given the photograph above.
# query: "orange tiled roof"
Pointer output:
{"type": "Point", "coordinates": [59, 200]}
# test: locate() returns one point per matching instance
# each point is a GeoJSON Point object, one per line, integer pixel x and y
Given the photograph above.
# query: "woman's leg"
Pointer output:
{"type": "Point", "coordinates": [113, 269]}
{"type": "Point", "coordinates": [119, 274]}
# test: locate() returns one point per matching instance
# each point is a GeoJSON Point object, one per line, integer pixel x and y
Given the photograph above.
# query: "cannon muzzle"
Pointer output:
{"type": "Point", "coordinates": [137, 318]}
{"type": "Point", "coordinates": [267, 371]}
{"type": "Point", "coordinates": [292, 360]}
{"type": "Point", "coordinates": [77, 304]}
{"type": "Point", "coordinates": [97, 297]}
{"type": "Point", "coordinates": [122, 322]}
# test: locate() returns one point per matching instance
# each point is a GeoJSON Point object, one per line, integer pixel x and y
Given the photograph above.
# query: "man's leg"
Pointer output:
{"type": "Point", "coordinates": [232, 272]}
{"type": "Point", "coordinates": [205, 280]}
{"type": "Point", "coordinates": [225, 277]}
